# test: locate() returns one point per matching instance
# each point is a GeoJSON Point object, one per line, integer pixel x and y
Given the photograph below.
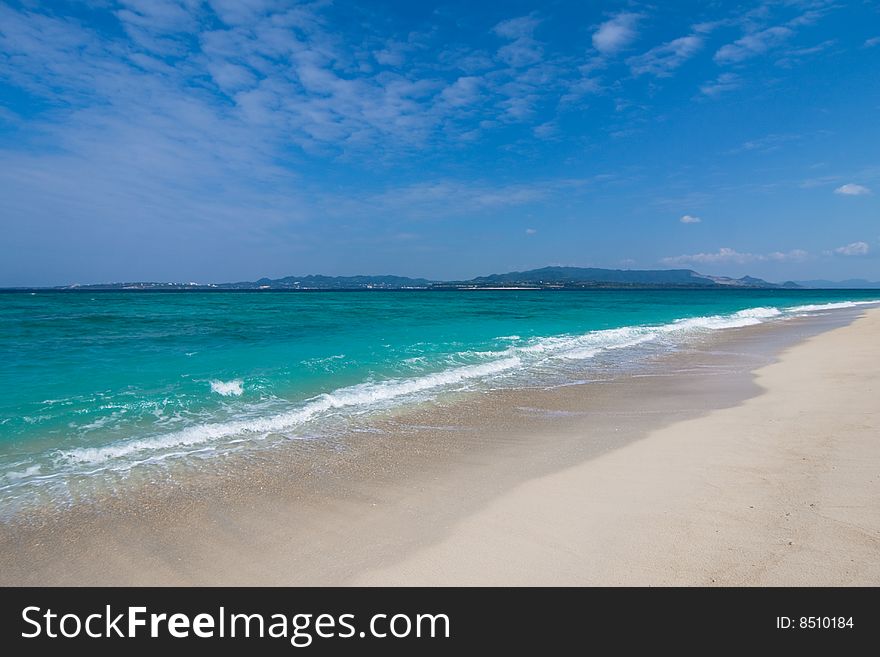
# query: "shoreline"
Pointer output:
{"type": "Point", "coordinates": [780, 490]}
{"type": "Point", "coordinates": [456, 494]}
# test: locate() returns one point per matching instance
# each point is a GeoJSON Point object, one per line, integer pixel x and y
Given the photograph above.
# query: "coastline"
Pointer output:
{"type": "Point", "coordinates": [780, 490]}
{"type": "Point", "coordinates": [606, 483]}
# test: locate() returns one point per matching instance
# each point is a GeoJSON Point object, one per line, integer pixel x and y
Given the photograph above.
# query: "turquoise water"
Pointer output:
{"type": "Point", "coordinates": [102, 384]}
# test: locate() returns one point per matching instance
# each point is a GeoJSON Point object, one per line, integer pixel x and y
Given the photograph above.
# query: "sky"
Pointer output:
{"type": "Point", "coordinates": [225, 140]}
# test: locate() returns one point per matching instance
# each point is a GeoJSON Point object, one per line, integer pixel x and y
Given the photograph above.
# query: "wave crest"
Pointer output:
{"type": "Point", "coordinates": [234, 388]}
{"type": "Point", "coordinates": [372, 395]}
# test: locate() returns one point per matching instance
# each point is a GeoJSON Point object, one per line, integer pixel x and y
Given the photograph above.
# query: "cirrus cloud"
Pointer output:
{"type": "Point", "coordinates": [752, 44]}
{"type": "Point", "coordinates": [664, 59]}
{"type": "Point", "coordinates": [723, 83]}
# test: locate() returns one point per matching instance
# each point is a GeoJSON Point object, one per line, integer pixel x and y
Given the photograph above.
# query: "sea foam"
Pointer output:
{"type": "Point", "coordinates": [228, 388]}
{"type": "Point", "coordinates": [360, 395]}
{"type": "Point", "coordinates": [374, 395]}
{"type": "Point", "coordinates": [830, 306]}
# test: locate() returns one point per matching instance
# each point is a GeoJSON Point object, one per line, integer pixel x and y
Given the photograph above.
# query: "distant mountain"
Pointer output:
{"type": "Point", "coordinates": [544, 278]}
{"type": "Point", "coordinates": [318, 282]}
{"type": "Point", "coordinates": [582, 277]}
{"type": "Point", "coordinates": [133, 285]}
{"type": "Point", "coordinates": [850, 284]}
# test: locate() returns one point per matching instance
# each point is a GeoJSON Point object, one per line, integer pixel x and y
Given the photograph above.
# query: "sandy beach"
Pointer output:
{"type": "Point", "coordinates": [780, 490]}
{"type": "Point", "coordinates": [751, 461]}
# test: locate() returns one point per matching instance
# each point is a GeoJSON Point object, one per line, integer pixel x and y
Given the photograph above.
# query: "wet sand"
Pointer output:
{"type": "Point", "coordinates": [752, 458]}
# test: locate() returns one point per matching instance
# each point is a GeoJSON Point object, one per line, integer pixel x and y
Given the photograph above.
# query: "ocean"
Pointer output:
{"type": "Point", "coordinates": [98, 388]}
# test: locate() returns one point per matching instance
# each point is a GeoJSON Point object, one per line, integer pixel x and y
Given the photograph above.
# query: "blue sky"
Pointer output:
{"type": "Point", "coordinates": [216, 140]}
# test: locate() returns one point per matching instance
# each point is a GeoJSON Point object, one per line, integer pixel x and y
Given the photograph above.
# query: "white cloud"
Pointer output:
{"type": "Point", "coordinates": [722, 256]}
{"type": "Point", "coordinates": [765, 144]}
{"type": "Point", "coordinates": [797, 55]}
{"type": "Point", "coordinates": [664, 59]}
{"type": "Point", "coordinates": [727, 255]}
{"type": "Point", "coordinates": [279, 73]}
{"type": "Point", "coordinates": [690, 219]}
{"type": "Point", "coordinates": [459, 197]}
{"type": "Point", "coordinates": [522, 52]}
{"type": "Point", "coordinates": [851, 189]}
{"type": "Point", "coordinates": [616, 34]}
{"type": "Point", "coordinates": [795, 255]}
{"type": "Point", "coordinates": [464, 91]}
{"type": "Point", "coordinates": [752, 44]}
{"type": "Point", "coordinates": [854, 249]}
{"type": "Point", "coordinates": [819, 181]}
{"type": "Point", "coordinates": [870, 43]}
{"type": "Point", "coordinates": [523, 49]}
{"type": "Point", "coordinates": [546, 130]}
{"type": "Point", "coordinates": [515, 28]}
{"type": "Point", "coordinates": [723, 83]}
{"type": "Point", "coordinates": [579, 88]}
{"type": "Point", "coordinates": [531, 231]}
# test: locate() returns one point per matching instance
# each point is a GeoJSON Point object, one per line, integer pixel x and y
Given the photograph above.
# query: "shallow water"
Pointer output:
{"type": "Point", "coordinates": [97, 386]}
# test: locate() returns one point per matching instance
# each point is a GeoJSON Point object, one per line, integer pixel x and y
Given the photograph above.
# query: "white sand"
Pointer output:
{"type": "Point", "coordinates": [781, 490]}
